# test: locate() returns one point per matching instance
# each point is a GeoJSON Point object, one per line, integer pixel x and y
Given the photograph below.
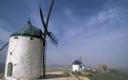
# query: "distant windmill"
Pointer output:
{"type": "Point", "coordinates": [25, 48]}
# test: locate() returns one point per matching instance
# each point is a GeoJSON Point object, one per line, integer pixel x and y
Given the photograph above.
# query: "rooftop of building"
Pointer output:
{"type": "Point", "coordinates": [28, 30]}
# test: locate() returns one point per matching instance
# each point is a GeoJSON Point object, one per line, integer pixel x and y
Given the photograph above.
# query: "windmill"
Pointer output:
{"type": "Point", "coordinates": [25, 45]}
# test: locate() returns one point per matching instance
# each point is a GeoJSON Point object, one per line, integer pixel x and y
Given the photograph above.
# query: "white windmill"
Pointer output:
{"type": "Point", "coordinates": [26, 51]}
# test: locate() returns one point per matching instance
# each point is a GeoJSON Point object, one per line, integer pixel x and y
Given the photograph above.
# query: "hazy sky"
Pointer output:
{"type": "Point", "coordinates": [95, 30]}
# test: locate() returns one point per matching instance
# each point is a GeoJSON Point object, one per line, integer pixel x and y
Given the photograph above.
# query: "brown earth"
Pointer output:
{"type": "Point", "coordinates": [60, 75]}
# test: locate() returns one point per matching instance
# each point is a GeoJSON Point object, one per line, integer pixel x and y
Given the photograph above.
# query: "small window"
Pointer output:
{"type": "Point", "coordinates": [10, 53]}
{"type": "Point", "coordinates": [15, 64]}
{"type": "Point", "coordinates": [31, 38]}
{"type": "Point", "coordinates": [15, 37]}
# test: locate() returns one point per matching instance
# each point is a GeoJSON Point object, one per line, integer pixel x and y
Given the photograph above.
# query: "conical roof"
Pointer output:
{"type": "Point", "coordinates": [28, 30]}
{"type": "Point", "coordinates": [77, 62]}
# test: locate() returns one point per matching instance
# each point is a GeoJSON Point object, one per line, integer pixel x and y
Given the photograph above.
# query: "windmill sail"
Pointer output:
{"type": "Point", "coordinates": [3, 46]}
{"type": "Point", "coordinates": [45, 34]}
{"type": "Point", "coordinates": [49, 13]}
{"type": "Point", "coordinates": [53, 39]}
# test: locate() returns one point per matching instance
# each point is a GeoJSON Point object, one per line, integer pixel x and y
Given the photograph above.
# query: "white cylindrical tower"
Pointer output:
{"type": "Point", "coordinates": [76, 65]}
{"type": "Point", "coordinates": [24, 54]}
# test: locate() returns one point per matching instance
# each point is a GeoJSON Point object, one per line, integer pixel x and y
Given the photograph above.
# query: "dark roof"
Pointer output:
{"type": "Point", "coordinates": [77, 62]}
{"type": "Point", "coordinates": [28, 30]}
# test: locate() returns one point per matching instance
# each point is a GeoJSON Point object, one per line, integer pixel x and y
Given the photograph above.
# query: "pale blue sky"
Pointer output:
{"type": "Point", "coordinates": [96, 30]}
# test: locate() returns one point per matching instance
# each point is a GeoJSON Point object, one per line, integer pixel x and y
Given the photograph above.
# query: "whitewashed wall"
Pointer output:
{"type": "Point", "coordinates": [75, 67]}
{"type": "Point", "coordinates": [26, 57]}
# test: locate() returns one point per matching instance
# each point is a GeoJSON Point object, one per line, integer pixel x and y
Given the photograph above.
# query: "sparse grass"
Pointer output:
{"type": "Point", "coordinates": [112, 75]}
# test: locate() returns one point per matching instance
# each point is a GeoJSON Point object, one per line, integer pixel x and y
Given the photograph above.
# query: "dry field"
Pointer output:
{"type": "Point", "coordinates": [60, 75]}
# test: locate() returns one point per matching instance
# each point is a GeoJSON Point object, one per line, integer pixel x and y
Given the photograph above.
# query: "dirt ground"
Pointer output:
{"type": "Point", "coordinates": [59, 75]}
{"type": "Point", "coordinates": [69, 78]}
